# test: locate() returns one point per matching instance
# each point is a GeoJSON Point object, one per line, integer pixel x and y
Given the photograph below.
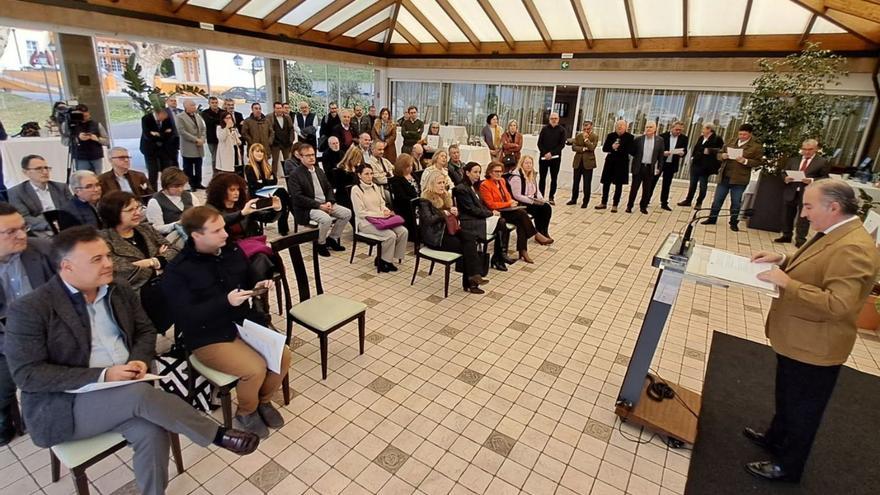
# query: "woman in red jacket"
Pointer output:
{"type": "Point", "coordinates": [497, 197]}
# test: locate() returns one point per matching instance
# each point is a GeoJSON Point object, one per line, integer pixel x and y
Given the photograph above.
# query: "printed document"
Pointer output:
{"type": "Point", "coordinates": [734, 153]}
{"type": "Point", "coordinates": [433, 141]}
{"type": "Point", "coordinates": [92, 387]}
{"type": "Point", "coordinates": [738, 269]}
{"type": "Point", "coordinates": [797, 175]}
{"type": "Point", "coordinates": [268, 342]}
{"type": "Point", "coordinates": [268, 191]}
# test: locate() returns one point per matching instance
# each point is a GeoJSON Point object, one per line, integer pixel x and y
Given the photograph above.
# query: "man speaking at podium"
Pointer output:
{"type": "Point", "coordinates": [812, 325]}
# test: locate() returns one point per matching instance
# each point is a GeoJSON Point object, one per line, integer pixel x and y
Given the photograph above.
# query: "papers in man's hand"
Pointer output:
{"type": "Point", "coordinates": [268, 191]}
{"type": "Point", "coordinates": [797, 175]}
{"type": "Point", "coordinates": [872, 225]}
{"type": "Point", "coordinates": [738, 269]}
{"type": "Point", "coordinates": [734, 153]}
{"type": "Point", "coordinates": [92, 387]}
{"type": "Point", "coordinates": [268, 342]}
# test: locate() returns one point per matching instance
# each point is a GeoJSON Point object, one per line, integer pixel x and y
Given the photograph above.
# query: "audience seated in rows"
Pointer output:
{"type": "Point", "coordinates": [405, 188]}
{"type": "Point", "coordinates": [368, 200]}
{"type": "Point", "coordinates": [344, 131]}
{"type": "Point", "coordinates": [313, 200]}
{"type": "Point", "coordinates": [417, 153]}
{"type": "Point", "coordinates": [455, 166]}
{"type": "Point", "coordinates": [24, 266]}
{"type": "Point", "coordinates": [383, 170]}
{"type": "Point", "coordinates": [524, 187]}
{"type": "Point", "coordinates": [438, 166]}
{"type": "Point", "coordinates": [496, 195]}
{"type": "Point", "coordinates": [121, 178]}
{"type": "Point", "coordinates": [205, 282]}
{"type": "Point", "coordinates": [258, 173]}
{"type": "Point", "coordinates": [166, 206]}
{"type": "Point", "coordinates": [82, 209]}
{"type": "Point", "coordinates": [434, 208]}
{"type": "Point", "coordinates": [38, 195]}
{"type": "Point", "coordinates": [479, 220]}
{"type": "Point", "coordinates": [330, 159]}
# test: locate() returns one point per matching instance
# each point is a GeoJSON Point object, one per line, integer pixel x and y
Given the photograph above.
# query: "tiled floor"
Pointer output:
{"type": "Point", "coordinates": [510, 392]}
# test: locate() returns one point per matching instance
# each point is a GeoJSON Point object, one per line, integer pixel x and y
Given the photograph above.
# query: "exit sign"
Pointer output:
{"type": "Point", "coordinates": [564, 65]}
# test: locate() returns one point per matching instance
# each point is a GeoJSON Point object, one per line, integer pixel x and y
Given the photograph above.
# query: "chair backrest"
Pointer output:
{"type": "Point", "coordinates": [291, 244]}
{"type": "Point", "coordinates": [414, 207]}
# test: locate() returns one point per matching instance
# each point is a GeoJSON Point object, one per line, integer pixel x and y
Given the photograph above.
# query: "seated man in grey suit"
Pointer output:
{"type": "Point", "coordinates": [81, 328]}
{"type": "Point", "coordinates": [38, 195]}
{"type": "Point", "coordinates": [24, 266]}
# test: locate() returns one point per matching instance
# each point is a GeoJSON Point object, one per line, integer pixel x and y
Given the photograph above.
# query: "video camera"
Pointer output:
{"type": "Point", "coordinates": [68, 118]}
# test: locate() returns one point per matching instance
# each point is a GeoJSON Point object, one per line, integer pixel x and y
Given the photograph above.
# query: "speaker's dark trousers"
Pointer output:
{"type": "Point", "coordinates": [791, 220]}
{"type": "Point", "coordinates": [606, 188]}
{"type": "Point", "coordinates": [552, 166]}
{"type": "Point", "coordinates": [587, 177]}
{"type": "Point", "coordinates": [646, 179]}
{"type": "Point", "coordinates": [700, 179]}
{"type": "Point", "coordinates": [802, 392]}
{"type": "Point", "coordinates": [665, 185]}
{"type": "Point", "coordinates": [192, 167]}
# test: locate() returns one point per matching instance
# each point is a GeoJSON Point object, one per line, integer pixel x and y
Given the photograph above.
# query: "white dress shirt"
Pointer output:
{"type": "Point", "coordinates": [45, 197]}
{"type": "Point", "coordinates": [108, 347]}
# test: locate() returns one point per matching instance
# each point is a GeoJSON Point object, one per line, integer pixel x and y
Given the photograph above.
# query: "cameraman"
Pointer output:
{"type": "Point", "coordinates": [91, 137]}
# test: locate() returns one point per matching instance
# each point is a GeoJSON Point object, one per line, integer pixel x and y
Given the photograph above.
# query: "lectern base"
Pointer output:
{"type": "Point", "coordinates": [668, 417]}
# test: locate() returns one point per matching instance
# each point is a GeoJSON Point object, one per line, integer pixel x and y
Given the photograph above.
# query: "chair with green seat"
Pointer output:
{"type": "Point", "coordinates": [321, 313]}
{"type": "Point", "coordinates": [445, 258]}
{"type": "Point", "coordinates": [221, 381]}
{"type": "Point", "coordinates": [79, 455]}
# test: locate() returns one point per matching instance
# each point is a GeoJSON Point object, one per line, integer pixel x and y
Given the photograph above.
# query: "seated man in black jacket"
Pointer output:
{"type": "Point", "coordinates": [80, 328]}
{"type": "Point", "coordinates": [313, 199]}
{"type": "Point", "coordinates": [205, 282]}
{"type": "Point", "coordinates": [82, 208]}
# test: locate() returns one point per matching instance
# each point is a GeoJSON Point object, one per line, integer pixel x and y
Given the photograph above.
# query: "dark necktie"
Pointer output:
{"type": "Point", "coordinates": [812, 240]}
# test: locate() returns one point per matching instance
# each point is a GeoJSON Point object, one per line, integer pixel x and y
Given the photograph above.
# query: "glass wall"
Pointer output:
{"type": "Point", "coordinates": [469, 104]}
{"type": "Point", "coordinates": [319, 84]}
{"type": "Point", "coordinates": [30, 77]}
{"type": "Point", "coordinates": [528, 105]}
{"type": "Point", "coordinates": [425, 96]}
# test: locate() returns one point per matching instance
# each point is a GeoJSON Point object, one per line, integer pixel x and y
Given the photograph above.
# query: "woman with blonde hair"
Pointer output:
{"type": "Point", "coordinates": [258, 173]}
{"type": "Point", "coordinates": [524, 187]}
{"type": "Point", "coordinates": [438, 166]}
{"type": "Point", "coordinates": [511, 146]}
{"type": "Point", "coordinates": [434, 209]}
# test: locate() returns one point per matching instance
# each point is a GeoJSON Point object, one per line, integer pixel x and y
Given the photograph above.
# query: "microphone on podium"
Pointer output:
{"type": "Point", "coordinates": [683, 244]}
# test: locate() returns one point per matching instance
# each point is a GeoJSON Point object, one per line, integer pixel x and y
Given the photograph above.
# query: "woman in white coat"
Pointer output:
{"type": "Point", "coordinates": [229, 144]}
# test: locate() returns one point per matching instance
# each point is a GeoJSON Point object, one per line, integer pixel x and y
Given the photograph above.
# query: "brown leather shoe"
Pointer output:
{"type": "Point", "coordinates": [542, 239]}
{"type": "Point", "coordinates": [239, 442]}
{"type": "Point", "coordinates": [478, 280]}
{"type": "Point", "coordinates": [524, 255]}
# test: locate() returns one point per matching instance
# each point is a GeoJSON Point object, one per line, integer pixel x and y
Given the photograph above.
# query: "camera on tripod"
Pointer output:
{"type": "Point", "coordinates": [68, 118]}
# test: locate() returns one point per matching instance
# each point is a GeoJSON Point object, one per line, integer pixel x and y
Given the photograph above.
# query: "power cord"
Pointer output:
{"type": "Point", "coordinates": [661, 390]}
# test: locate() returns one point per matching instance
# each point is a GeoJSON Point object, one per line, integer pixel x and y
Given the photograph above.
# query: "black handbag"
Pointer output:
{"type": "Point", "coordinates": [175, 366]}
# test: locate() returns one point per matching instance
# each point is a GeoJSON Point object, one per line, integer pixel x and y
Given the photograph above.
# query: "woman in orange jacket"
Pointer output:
{"type": "Point", "coordinates": [497, 197]}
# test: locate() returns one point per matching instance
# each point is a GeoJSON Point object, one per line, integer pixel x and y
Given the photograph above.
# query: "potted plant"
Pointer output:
{"type": "Point", "coordinates": [148, 97]}
{"type": "Point", "coordinates": [790, 104]}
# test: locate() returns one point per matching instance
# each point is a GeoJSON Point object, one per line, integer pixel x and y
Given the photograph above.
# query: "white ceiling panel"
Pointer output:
{"type": "Point", "coordinates": [476, 19]}
{"type": "Point", "coordinates": [372, 21]}
{"type": "Point", "coordinates": [304, 11]}
{"type": "Point", "coordinates": [821, 26]}
{"type": "Point", "coordinates": [259, 8]}
{"type": "Point", "coordinates": [441, 21]}
{"type": "Point", "coordinates": [560, 19]}
{"type": "Point", "coordinates": [209, 4]}
{"type": "Point", "coordinates": [716, 18]}
{"type": "Point", "coordinates": [405, 19]}
{"type": "Point", "coordinates": [397, 38]}
{"type": "Point", "coordinates": [344, 14]}
{"type": "Point", "coordinates": [515, 16]}
{"type": "Point", "coordinates": [607, 19]}
{"type": "Point", "coordinates": [659, 19]}
{"type": "Point", "coordinates": [775, 17]}
{"type": "Point", "coordinates": [379, 38]}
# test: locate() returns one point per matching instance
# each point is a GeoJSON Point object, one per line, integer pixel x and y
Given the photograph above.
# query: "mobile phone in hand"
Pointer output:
{"type": "Point", "coordinates": [262, 203]}
{"type": "Point", "coordinates": [259, 291]}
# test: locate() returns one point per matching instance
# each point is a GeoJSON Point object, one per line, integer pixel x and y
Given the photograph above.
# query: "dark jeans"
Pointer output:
{"type": "Point", "coordinates": [736, 195]}
{"type": "Point", "coordinates": [154, 165]}
{"type": "Point", "coordinates": [646, 179]}
{"type": "Point", "coordinates": [802, 392]}
{"type": "Point", "coordinates": [697, 179]}
{"type": "Point", "coordinates": [466, 244]}
{"type": "Point", "coordinates": [524, 227]}
{"type": "Point", "coordinates": [665, 186]}
{"type": "Point", "coordinates": [618, 190]}
{"type": "Point", "coordinates": [587, 177]}
{"type": "Point", "coordinates": [192, 167]}
{"type": "Point", "coordinates": [792, 222]}
{"type": "Point", "coordinates": [541, 215]}
{"type": "Point", "coordinates": [553, 167]}
{"type": "Point", "coordinates": [7, 392]}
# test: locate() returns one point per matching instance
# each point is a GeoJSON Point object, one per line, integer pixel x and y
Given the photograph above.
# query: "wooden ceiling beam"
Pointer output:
{"type": "Point", "coordinates": [459, 22]}
{"type": "Point", "coordinates": [581, 15]}
{"type": "Point", "coordinates": [860, 8]}
{"type": "Point", "coordinates": [409, 37]}
{"type": "Point", "coordinates": [176, 5]}
{"type": "Point", "coordinates": [322, 15]}
{"type": "Point", "coordinates": [535, 14]}
{"type": "Point", "coordinates": [745, 23]}
{"type": "Point", "coordinates": [280, 11]}
{"type": "Point", "coordinates": [808, 29]}
{"type": "Point", "coordinates": [427, 24]}
{"type": "Point", "coordinates": [387, 45]}
{"type": "Point", "coordinates": [864, 29]}
{"type": "Point", "coordinates": [498, 23]}
{"type": "Point", "coordinates": [684, 25]}
{"type": "Point", "coordinates": [356, 20]}
{"type": "Point", "coordinates": [631, 22]}
{"type": "Point", "coordinates": [232, 8]}
{"type": "Point", "coordinates": [373, 31]}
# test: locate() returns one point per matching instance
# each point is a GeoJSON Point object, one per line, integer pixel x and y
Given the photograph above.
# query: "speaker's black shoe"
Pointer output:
{"type": "Point", "coordinates": [666, 207]}
{"type": "Point", "coordinates": [759, 439]}
{"type": "Point", "coordinates": [734, 227]}
{"type": "Point", "coordinates": [769, 471]}
{"type": "Point", "coordinates": [628, 209]}
{"type": "Point", "coordinates": [684, 203]}
{"type": "Point", "coordinates": [571, 202]}
{"type": "Point", "coordinates": [508, 260]}
{"type": "Point", "coordinates": [499, 265]}
{"type": "Point", "coordinates": [799, 242]}
{"type": "Point", "coordinates": [644, 211]}
{"type": "Point", "coordinates": [783, 239]}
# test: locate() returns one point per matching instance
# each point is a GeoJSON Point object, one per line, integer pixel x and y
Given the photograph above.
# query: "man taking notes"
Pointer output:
{"type": "Point", "coordinates": [812, 325]}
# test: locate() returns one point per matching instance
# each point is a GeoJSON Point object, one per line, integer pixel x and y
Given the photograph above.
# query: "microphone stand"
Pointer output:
{"type": "Point", "coordinates": [682, 246]}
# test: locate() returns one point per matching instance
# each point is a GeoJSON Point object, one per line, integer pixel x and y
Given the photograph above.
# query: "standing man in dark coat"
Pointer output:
{"type": "Point", "coordinates": [704, 162]}
{"type": "Point", "coordinates": [304, 125]}
{"type": "Point", "coordinates": [647, 157]}
{"type": "Point", "coordinates": [616, 170]}
{"type": "Point", "coordinates": [675, 146]}
{"type": "Point", "coordinates": [328, 123]}
{"type": "Point", "coordinates": [157, 134]}
{"type": "Point", "coordinates": [212, 116]}
{"type": "Point", "coordinates": [283, 136]}
{"type": "Point", "coordinates": [814, 167]}
{"type": "Point", "coordinates": [551, 141]}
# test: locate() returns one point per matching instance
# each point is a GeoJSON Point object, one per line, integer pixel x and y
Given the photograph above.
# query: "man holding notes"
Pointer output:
{"type": "Point", "coordinates": [799, 173]}
{"type": "Point", "coordinates": [737, 162]}
{"type": "Point", "coordinates": [209, 293]}
{"type": "Point", "coordinates": [812, 324]}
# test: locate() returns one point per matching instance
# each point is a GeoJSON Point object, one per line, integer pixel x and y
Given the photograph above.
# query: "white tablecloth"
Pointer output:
{"type": "Point", "coordinates": [752, 188]}
{"type": "Point", "coordinates": [479, 154]}
{"type": "Point", "coordinates": [566, 174]}
{"type": "Point", "coordinates": [50, 148]}
{"type": "Point", "coordinates": [452, 134]}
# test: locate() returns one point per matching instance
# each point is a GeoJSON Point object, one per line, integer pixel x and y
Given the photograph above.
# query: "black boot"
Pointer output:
{"type": "Point", "coordinates": [283, 226]}
{"type": "Point", "coordinates": [499, 264]}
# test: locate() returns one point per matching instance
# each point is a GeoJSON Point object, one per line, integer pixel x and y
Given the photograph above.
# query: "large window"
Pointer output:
{"type": "Point", "coordinates": [30, 77]}
{"type": "Point", "coordinates": [425, 96]}
{"type": "Point", "coordinates": [469, 104]}
{"type": "Point", "coordinates": [320, 84]}
{"type": "Point", "coordinates": [528, 105]}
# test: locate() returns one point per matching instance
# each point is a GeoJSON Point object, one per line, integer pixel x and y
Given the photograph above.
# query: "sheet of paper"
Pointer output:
{"type": "Point", "coordinates": [92, 387]}
{"type": "Point", "coordinates": [268, 191]}
{"type": "Point", "coordinates": [667, 288]}
{"type": "Point", "coordinates": [268, 342]}
{"type": "Point", "coordinates": [872, 224]}
{"type": "Point", "coordinates": [797, 175]}
{"type": "Point", "coordinates": [433, 141]}
{"type": "Point", "coordinates": [738, 269]}
{"type": "Point", "coordinates": [734, 153]}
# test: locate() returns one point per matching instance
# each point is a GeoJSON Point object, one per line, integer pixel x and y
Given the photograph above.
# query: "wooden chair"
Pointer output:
{"type": "Point", "coordinates": [16, 417]}
{"type": "Point", "coordinates": [445, 258]}
{"type": "Point", "coordinates": [79, 455]}
{"type": "Point", "coordinates": [321, 313]}
{"type": "Point", "coordinates": [221, 381]}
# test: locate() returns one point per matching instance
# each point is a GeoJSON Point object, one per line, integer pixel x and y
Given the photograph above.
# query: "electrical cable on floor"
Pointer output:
{"type": "Point", "coordinates": [674, 393]}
